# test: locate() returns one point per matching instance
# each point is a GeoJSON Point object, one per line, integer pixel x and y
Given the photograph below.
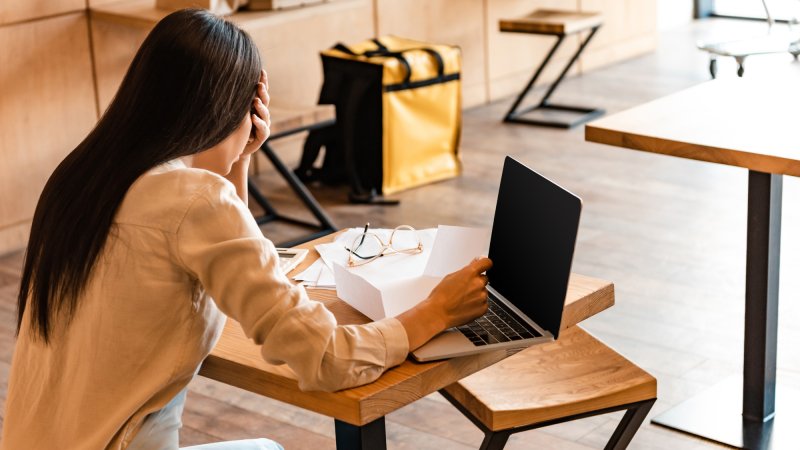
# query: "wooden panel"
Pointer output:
{"type": "Point", "coordinates": [642, 17]}
{"type": "Point", "coordinates": [596, 57]}
{"type": "Point", "coordinates": [615, 21]}
{"type": "Point", "coordinates": [238, 362]}
{"type": "Point", "coordinates": [734, 122]}
{"type": "Point", "coordinates": [279, 4]}
{"type": "Point", "coordinates": [46, 109]}
{"type": "Point", "coordinates": [629, 29]}
{"type": "Point", "coordinates": [14, 237]}
{"type": "Point", "coordinates": [512, 57]}
{"type": "Point", "coordinates": [434, 21]}
{"type": "Point", "coordinates": [19, 10]}
{"type": "Point", "coordinates": [93, 3]}
{"type": "Point", "coordinates": [221, 7]}
{"type": "Point", "coordinates": [114, 45]}
{"type": "Point", "coordinates": [573, 375]}
{"type": "Point", "coordinates": [289, 41]}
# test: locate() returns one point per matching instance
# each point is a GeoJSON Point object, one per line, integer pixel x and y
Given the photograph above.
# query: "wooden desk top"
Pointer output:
{"type": "Point", "coordinates": [237, 361]}
{"type": "Point", "coordinates": [750, 123]}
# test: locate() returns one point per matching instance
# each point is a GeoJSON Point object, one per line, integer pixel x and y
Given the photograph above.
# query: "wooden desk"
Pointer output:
{"type": "Point", "coordinates": [750, 124]}
{"type": "Point", "coordinates": [359, 412]}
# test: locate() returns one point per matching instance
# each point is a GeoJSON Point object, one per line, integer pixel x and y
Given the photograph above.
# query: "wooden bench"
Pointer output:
{"type": "Point", "coordinates": [560, 24]}
{"type": "Point", "coordinates": [574, 377]}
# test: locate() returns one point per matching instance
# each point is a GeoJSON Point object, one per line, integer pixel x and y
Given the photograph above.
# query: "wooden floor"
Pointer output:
{"type": "Point", "coordinates": [670, 233]}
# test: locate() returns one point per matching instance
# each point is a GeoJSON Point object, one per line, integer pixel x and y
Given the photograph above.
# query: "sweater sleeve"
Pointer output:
{"type": "Point", "coordinates": [219, 242]}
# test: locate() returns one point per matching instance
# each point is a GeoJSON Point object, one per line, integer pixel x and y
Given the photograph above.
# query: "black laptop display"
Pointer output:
{"type": "Point", "coordinates": [533, 239]}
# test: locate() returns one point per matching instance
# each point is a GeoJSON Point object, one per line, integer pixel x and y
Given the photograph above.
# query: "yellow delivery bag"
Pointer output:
{"type": "Point", "coordinates": [398, 112]}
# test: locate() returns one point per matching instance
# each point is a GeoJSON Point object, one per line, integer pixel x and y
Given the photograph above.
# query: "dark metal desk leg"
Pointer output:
{"type": "Point", "coordinates": [713, 414]}
{"type": "Point", "coordinates": [761, 295]}
{"type": "Point", "coordinates": [371, 436]}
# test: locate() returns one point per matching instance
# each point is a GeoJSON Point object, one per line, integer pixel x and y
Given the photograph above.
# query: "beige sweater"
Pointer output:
{"type": "Point", "coordinates": [184, 251]}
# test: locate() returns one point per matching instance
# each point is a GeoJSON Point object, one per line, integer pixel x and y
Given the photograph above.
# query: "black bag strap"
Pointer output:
{"type": "Point", "coordinates": [382, 50]}
{"type": "Point", "coordinates": [436, 57]}
{"type": "Point", "coordinates": [344, 49]}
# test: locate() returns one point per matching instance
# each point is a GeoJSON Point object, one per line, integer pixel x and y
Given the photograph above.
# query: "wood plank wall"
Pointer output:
{"type": "Point", "coordinates": [60, 64]}
{"type": "Point", "coordinates": [47, 102]}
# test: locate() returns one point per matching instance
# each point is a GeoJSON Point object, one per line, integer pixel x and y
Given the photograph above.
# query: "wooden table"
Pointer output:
{"type": "Point", "coordinates": [750, 124]}
{"type": "Point", "coordinates": [359, 412]}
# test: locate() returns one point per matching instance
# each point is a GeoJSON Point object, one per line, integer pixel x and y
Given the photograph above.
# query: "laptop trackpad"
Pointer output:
{"type": "Point", "coordinates": [445, 345]}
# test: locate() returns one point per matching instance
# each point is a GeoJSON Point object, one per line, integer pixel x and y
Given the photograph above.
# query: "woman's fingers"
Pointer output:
{"type": "Point", "coordinates": [261, 109]}
{"type": "Point", "coordinates": [462, 295]}
{"type": "Point", "coordinates": [263, 93]}
{"type": "Point", "coordinates": [259, 117]}
{"type": "Point", "coordinates": [261, 129]}
{"type": "Point", "coordinates": [480, 265]}
{"type": "Point", "coordinates": [261, 112]}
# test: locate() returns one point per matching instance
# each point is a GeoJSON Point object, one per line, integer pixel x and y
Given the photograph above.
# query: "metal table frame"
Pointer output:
{"type": "Point", "coordinates": [515, 115]}
{"type": "Point", "coordinates": [325, 224]}
{"type": "Point", "coordinates": [712, 414]}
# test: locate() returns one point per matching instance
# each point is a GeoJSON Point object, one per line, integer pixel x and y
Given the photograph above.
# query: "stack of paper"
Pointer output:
{"type": "Point", "coordinates": [391, 285]}
{"type": "Point", "coordinates": [320, 275]}
{"type": "Point", "coordinates": [317, 276]}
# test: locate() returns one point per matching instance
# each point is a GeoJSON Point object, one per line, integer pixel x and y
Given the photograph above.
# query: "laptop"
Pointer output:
{"type": "Point", "coordinates": [532, 243]}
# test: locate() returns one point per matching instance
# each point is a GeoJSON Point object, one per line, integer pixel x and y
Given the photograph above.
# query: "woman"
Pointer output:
{"type": "Point", "coordinates": [141, 244]}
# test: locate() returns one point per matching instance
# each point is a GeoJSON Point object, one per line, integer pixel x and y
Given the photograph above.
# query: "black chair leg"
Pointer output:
{"type": "Point", "coordinates": [584, 114]}
{"type": "Point", "coordinates": [629, 425]}
{"type": "Point", "coordinates": [495, 440]}
{"type": "Point", "coordinates": [627, 428]}
{"type": "Point", "coordinates": [261, 201]}
{"type": "Point", "coordinates": [325, 224]}
{"type": "Point", "coordinates": [299, 189]}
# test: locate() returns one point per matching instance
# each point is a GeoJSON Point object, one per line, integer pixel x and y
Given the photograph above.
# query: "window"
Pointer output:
{"type": "Point", "coordinates": [779, 9]}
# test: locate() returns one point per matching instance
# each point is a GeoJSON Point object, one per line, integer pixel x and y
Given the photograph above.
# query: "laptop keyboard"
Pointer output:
{"type": "Point", "coordinates": [497, 325]}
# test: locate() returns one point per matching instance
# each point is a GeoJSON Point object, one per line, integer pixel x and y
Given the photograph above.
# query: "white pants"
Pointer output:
{"type": "Point", "coordinates": [160, 432]}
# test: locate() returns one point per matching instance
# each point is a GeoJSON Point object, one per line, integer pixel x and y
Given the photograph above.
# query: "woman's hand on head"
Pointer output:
{"type": "Point", "coordinates": [459, 298]}
{"type": "Point", "coordinates": [260, 119]}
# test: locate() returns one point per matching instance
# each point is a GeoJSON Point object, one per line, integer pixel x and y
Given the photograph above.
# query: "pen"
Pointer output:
{"type": "Point", "coordinates": [363, 235]}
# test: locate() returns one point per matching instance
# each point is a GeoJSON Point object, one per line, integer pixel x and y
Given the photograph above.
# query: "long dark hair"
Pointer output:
{"type": "Point", "coordinates": [188, 88]}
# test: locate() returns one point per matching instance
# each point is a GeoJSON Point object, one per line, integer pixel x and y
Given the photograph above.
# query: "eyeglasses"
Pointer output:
{"type": "Point", "coordinates": [368, 246]}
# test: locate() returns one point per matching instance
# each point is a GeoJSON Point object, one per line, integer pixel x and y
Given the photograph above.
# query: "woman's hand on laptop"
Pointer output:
{"type": "Point", "coordinates": [459, 298]}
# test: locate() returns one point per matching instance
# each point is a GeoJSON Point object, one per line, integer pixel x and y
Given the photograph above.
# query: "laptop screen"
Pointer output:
{"type": "Point", "coordinates": [533, 240]}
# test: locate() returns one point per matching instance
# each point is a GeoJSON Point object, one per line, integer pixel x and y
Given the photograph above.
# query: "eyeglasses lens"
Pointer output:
{"type": "Point", "coordinates": [405, 240]}
{"type": "Point", "coordinates": [369, 247]}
